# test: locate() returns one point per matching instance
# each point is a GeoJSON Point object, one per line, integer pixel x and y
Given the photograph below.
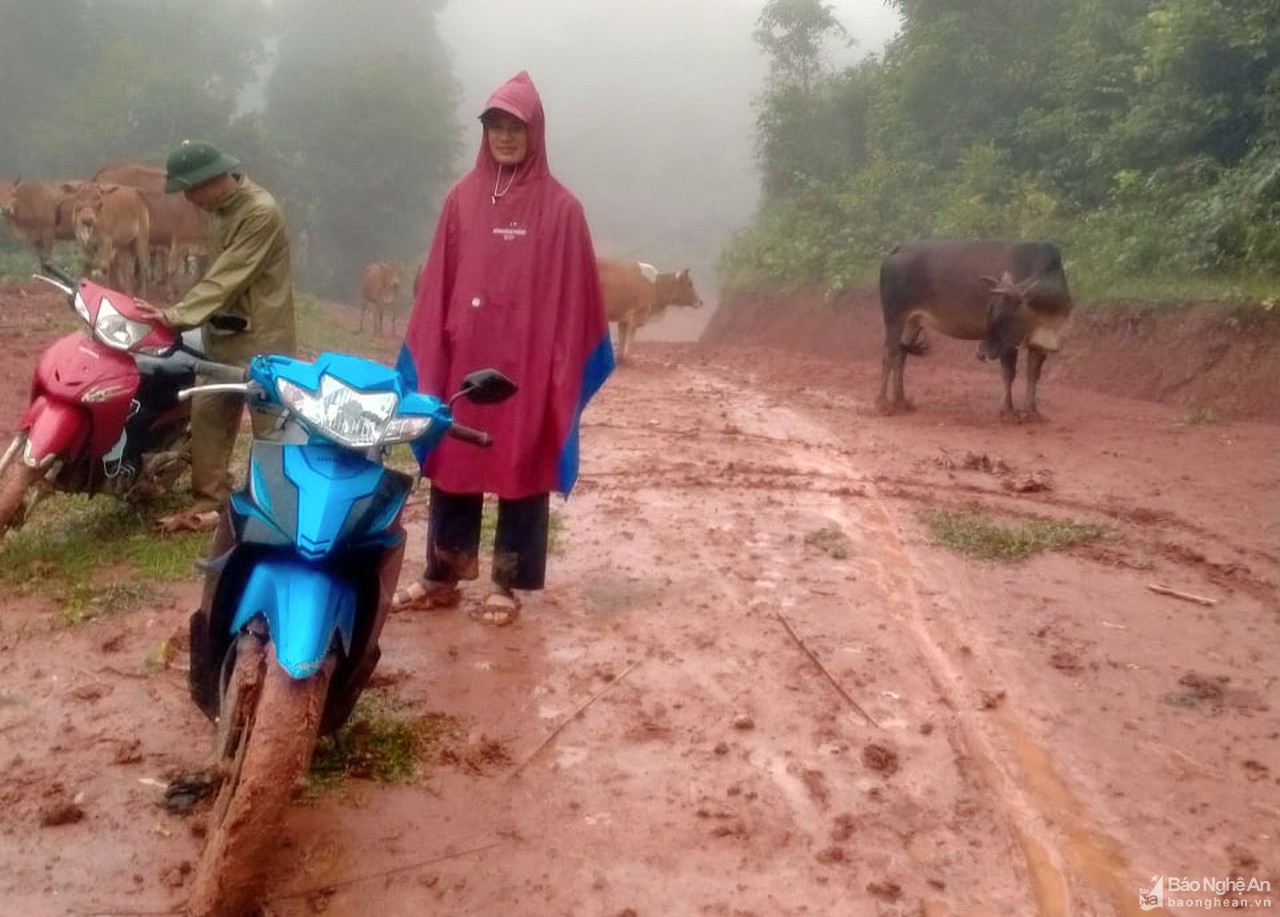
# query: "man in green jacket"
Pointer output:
{"type": "Point", "coordinates": [248, 279]}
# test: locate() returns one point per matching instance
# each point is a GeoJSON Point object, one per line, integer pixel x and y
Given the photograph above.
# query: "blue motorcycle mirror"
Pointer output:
{"type": "Point", "coordinates": [485, 386]}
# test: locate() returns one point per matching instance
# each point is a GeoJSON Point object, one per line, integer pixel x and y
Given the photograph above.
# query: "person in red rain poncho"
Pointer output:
{"type": "Point", "coordinates": [510, 282]}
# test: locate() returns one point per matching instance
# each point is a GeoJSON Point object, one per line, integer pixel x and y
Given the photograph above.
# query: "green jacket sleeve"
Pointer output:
{"type": "Point", "coordinates": [231, 273]}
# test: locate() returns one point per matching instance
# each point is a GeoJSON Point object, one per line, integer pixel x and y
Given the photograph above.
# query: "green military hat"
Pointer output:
{"type": "Point", "coordinates": [194, 163]}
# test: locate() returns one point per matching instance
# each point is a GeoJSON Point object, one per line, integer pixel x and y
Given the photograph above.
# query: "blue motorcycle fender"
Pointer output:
{"type": "Point", "coordinates": [303, 607]}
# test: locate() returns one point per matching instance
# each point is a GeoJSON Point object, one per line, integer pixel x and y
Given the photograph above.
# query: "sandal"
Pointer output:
{"type": "Point", "coordinates": [498, 610]}
{"type": "Point", "coordinates": [188, 522]}
{"type": "Point", "coordinates": [424, 595]}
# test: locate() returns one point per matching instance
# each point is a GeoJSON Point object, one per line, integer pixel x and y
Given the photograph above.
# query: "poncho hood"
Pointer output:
{"type": "Point", "coordinates": [518, 97]}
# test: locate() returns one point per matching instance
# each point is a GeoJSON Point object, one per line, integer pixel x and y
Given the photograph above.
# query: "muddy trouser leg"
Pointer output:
{"type": "Point", "coordinates": [520, 543]}
{"type": "Point", "coordinates": [453, 536]}
{"type": "Point", "coordinates": [215, 422]}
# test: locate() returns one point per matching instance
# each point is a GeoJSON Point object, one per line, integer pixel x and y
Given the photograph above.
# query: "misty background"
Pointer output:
{"type": "Point", "coordinates": [359, 116]}
{"type": "Point", "coordinates": [650, 117]}
{"type": "Point", "coordinates": [771, 146]}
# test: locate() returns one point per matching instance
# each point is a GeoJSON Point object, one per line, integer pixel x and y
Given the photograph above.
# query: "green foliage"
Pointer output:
{"type": "Point", "coordinates": [1142, 135]}
{"type": "Point", "coordinates": [70, 540]}
{"type": "Point", "coordinates": [980, 535]}
{"type": "Point", "coordinates": [793, 34]}
{"type": "Point", "coordinates": [126, 79]}
{"type": "Point", "coordinates": [382, 742]}
{"type": "Point", "coordinates": [318, 331]}
{"type": "Point", "coordinates": [362, 105]}
{"type": "Point", "coordinates": [350, 121]}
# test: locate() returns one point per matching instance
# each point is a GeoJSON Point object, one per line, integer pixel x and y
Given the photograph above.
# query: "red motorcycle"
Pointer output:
{"type": "Point", "coordinates": [104, 414]}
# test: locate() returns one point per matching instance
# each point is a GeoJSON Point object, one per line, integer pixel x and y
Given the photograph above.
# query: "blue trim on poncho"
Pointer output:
{"type": "Point", "coordinates": [596, 370]}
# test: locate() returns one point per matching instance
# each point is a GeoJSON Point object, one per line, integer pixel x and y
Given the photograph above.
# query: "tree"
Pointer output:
{"type": "Point", "coordinates": [798, 130]}
{"type": "Point", "coordinates": [109, 79]}
{"type": "Point", "coordinates": [43, 44]}
{"type": "Point", "coordinates": [362, 104]}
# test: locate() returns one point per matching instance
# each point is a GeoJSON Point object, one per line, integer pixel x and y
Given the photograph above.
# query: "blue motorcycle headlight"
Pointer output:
{"type": "Point", "coordinates": [344, 414]}
{"type": "Point", "coordinates": [350, 416]}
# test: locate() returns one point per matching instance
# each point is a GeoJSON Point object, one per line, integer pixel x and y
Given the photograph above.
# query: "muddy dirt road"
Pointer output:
{"type": "Point", "coordinates": [795, 702]}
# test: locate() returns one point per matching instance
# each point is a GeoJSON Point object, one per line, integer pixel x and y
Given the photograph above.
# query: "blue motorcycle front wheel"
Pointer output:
{"type": "Point", "coordinates": [267, 728]}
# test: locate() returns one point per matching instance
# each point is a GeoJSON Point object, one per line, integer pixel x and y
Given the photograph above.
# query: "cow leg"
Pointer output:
{"type": "Point", "coordinates": [44, 246]}
{"type": "Point", "coordinates": [1035, 362]}
{"type": "Point", "coordinates": [173, 270]}
{"type": "Point", "coordinates": [120, 272]}
{"type": "Point", "coordinates": [363, 306]}
{"type": "Point", "coordinates": [886, 373]}
{"type": "Point", "coordinates": [894, 368]}
{"type": "Point", "coordinates": [141, 266]}
{"type": "Point", "coordinates": [106, 265]}
{"type": "Point", "coordinates": [1008, 370]}
{"type": "Point", "coordinates": [624, 339]}
{"type": "Point", "coordinates": [131, 272]}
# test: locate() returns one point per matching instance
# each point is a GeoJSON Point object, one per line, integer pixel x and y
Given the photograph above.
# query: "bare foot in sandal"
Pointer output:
{"type": "Point", "coordinates": [189, 521]}
{"type": "Point", "coordinates": [423, 595]}
{"type": "Point", "coordinates": [499, 609]}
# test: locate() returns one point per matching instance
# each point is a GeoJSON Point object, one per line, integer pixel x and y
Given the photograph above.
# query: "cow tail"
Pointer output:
{"type": "Point", "coordinates": [918, 346]}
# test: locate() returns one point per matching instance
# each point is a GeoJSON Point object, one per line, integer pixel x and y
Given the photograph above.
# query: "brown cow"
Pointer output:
{"type": "Point", "coordinates": [113, 227]}
{"type": "Point", "coordinates": [636, 293]}
{"type": "Point", "coordinates": [1005, 295]}
{"type": "Point", "coordinates": [39, 213]}
{"type": "Point", "coordinates": [177, 227]}
{"type": "Point", "coordinates": [379, 285]}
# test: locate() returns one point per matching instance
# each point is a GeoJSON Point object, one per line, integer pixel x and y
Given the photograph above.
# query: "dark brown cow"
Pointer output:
{"type": "Point", "coordinates": [177, 227]}
{"type": "Point", "coordinates": [39, 213]}
{"type": "Point", "coordinates": [113, 226]}
{"type": "Point", "coordinates": [1004, 294]}
{"type": "Point", "coordinates": [379, 285]}
{"type": "Point", "coordinates": [636, 293]}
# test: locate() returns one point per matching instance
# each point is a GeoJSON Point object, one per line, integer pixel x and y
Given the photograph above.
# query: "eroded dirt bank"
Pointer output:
{"type": "Point", "coordinates": [1200, 358]}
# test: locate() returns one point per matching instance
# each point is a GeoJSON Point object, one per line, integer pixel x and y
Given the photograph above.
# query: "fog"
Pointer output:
{"type": "Point", "coordinates": [649, 112]}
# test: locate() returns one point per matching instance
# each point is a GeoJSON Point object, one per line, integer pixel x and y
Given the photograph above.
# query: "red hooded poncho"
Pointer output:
{"type": "Point", "coordinates": [511, 282]}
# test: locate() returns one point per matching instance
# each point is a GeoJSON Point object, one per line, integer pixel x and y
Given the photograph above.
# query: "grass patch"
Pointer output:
{"type": "Point", "coordinates": [19, 262]}
{"type": "Point", "coordinates": [981, 535]}
{"type": "Point", "coordinates": [1202, 417]}
{"type": "Point", "coordinates": [381, 742]}
{"type": "Point", "coordinates": [71, 537]}
{"type": "Point", "coordinates": [318, 332]}
{"type": "Point", "coordinates": [84, 601]}
{"type": "Point", "coordinates": [830, 540]}
{"type": "Point", "coordinates": [1258, 294]}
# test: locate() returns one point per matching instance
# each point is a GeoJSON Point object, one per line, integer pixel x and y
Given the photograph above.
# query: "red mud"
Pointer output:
{"type": "Point", "coordinates": [777, 696]}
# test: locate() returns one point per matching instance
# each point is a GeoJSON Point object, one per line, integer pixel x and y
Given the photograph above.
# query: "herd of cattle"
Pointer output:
{"type": "Point", "coordinates": [129, 231]}
{"type": "Point", "coordinates": [1005, 295]}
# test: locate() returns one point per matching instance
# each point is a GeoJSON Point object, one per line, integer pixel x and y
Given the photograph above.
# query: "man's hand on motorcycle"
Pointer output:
{"type": "Point", "coordinates": [153, 313]}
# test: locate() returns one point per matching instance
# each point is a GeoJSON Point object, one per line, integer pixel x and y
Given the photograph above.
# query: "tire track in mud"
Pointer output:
{"type": "Point", "coordinates": [1073, 867]}
{"type": "Point", "coordinates": [1063, 850]}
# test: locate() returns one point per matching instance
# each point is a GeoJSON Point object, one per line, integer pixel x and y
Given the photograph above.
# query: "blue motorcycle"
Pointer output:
{"type": "Point", "coordinates": [298, 584]}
